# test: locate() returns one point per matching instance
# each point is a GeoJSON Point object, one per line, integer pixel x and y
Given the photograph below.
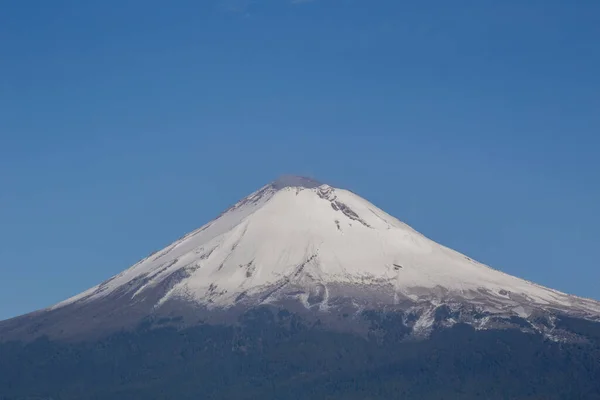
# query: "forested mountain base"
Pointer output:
{"type": "Point", "coordinates": [278, 356]}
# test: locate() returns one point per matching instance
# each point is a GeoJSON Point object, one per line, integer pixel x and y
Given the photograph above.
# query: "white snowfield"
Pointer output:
{"type": "Point", "coordinates": [315, 237]}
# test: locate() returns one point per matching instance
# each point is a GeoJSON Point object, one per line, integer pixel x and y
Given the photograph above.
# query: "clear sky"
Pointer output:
{"type": "Point", "coordinates": [125, 124]}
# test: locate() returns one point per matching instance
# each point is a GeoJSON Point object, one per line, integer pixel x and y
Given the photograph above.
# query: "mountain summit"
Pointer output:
{"type": "Point", "coordinates": [310, 247]}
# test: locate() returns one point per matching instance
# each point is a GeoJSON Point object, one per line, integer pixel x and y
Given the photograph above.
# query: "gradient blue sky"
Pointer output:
{"type": "Point", "coordinates": [125, 124]}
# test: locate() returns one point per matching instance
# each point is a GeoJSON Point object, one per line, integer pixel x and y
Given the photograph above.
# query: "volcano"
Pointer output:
{"type": "Point", "coordinates": [299, 291]}
{"type": "Point", "coordinates": [322, 251]}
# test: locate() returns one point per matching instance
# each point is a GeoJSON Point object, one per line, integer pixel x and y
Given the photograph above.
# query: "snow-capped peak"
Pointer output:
{"type": "Point", "coordinates": [302, 240]}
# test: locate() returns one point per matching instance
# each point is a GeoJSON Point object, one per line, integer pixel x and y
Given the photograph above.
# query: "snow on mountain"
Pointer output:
{"type": "Point", "coordinates": [297, 239]}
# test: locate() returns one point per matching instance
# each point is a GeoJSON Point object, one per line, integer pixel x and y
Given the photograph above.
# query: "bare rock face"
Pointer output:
{"type": "Point", "coordinates": [320, 251]}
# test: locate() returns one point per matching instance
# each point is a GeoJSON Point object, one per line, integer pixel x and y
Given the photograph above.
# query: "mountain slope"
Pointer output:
{"type": "Point", "coordinates": [278, 357]}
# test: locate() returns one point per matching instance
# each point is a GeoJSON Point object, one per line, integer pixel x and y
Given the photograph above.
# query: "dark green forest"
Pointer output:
{"type": "Point", "coordinates": [279, 356]}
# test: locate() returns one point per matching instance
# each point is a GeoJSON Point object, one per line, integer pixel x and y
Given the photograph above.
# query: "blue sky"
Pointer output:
{"type": "Point", "coordinates": [125, 124]}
